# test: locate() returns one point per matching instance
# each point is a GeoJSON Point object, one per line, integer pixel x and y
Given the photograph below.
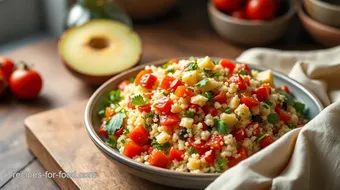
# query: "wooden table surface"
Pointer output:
{"type": "Point", "coordinates": [184, 32]}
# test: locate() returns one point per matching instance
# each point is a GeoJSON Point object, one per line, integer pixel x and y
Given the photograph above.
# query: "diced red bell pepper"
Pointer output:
{"type": "Point", "coordinates": [210, 157]}
{"type": "Point", "coordinates": [148, 80]}
{"type": "Point", "coordinates": [123, 84]}
{"type": "Point", "coordinates": [249, 101]}
{"type": "Point", "coordinates": [243, 155]}
{"type": "Point", "coordinates": [221, 98]}
{"type": "Point", "coordinates": [284, 116]}
{"type": "Point", "coordinates": [139, 135]}
{"type": "Point", "coordinates": [256, 128]}
{"type": "Point", "coordinates": [262, 93]}
{"type": "Point", "coordinates": [266, 141]}
{"type": "Point", "coordinates": [145, 108]}
{"type": "Point", "coordinates": [170, 119]}
{"type": "Point", "coordinates": [103, 131]}
{"type": "Point", "coordinates": [201, 148]}
{"type": "Point", "coordinates": [158, 158]}
{"type": "Point", "coordinates": [225, 63]}
{"type": "Point", "coordinates": [239, 134]}
{"type": "Point", "coordinates": [140, 74]}
{"type": "Point", "coordinates": [176, 154]}
{"type": "Point", "coordinates": [132, 149]}
{"type": "Point", "coordinates": [216, 142]}
{"type": "Point", "coordinates": [237, 79]}
{"type": "Point", "coordinates": [163, 104]}
{"type": "Point", "coordinates": [207, 109]}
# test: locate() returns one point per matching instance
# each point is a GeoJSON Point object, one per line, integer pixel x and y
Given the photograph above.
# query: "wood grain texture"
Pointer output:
{"type": "Point", "coordinates": [184, 32]}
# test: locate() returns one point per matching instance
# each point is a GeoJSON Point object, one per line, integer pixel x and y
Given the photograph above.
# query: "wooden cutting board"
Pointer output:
{"type": "Point", "coordinates": [59, 140]}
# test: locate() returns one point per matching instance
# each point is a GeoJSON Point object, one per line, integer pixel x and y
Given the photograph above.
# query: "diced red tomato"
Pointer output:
{"type": "Point", "coordinates": [194, 106]}
{"type": "Point", "coordinates": [140, 74]}
{"type": "Point", "coordinates": [132, 149]}
{"type": "Point", "coordinates": [148, 80]}
{"type": "Point", "coordinates": [225, 63]}
{"type": "Point", "coordinates": [239, 134]}
{"type": "Point", "coordinates": [176, 154]}
{"type": "Point", "coordinates": [146, 148]}
{"type": "Point", "coordinates": [205, 126]}
{"type": "Point", "coordinates": [158, 158]}
{"type": "Point", "coordinates": [109, 112]}
{"type": "Point", "coordinates": [249, 101]}
{"type": "Point", "coordinates": [173, 61]}
{"type": "Point", "coordinates": [170, 119]}
{"type": "Point", "coordinates": [123, 84]}
{"type": "Point", "coordinates": [119, 132]}
{"type": "Point", "coordinates": [174, 84]}
{"type": "Point", "coordinates": [216, 142]}
{"type": "Point", "coordinates": [201, 148]}
{"type": "Point", "coordinates": [262, 93]}
{"type": "Point", "coordinates": [182, 91]}
{"type": "Point", "coordinates": [221, 98]}
{"type": "Point", "coordinates": [266, 141]}
{"type": "Point", "coordinates": [210, 157]}
{"type": "Point", "coordinates": [163, 104]}
{"type": "Point", "coordinates": [284, 116]}
{"type": "Point", "coordinates": [130, 104]}
{"type": "Point", "coordinates": [207, 109]}
{"type": "Point", "coordinates": [139, 135]}
{"type": "Point", "coordinates": [237, 79]}
{"type": "Point", "coordinates": [244, 67]}
{"type": "Point", "coordinates": [102, 131]}
{"type": "Point", "coordinates": [145, 108]}
{"type": "Point", "coordinates": [285, 88]}
{"type": "Point", "coordinates": [268, 87]}
{"type": "Point", "coordinates": [167, 80]}
{"type": "Point", "coordinates": [256, 128]}
{"type": "Point", "coordinates": [243, 155]}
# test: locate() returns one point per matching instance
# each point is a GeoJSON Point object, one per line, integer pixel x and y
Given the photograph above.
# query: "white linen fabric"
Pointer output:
{"type": "Point", "coordinates": [305, 158]}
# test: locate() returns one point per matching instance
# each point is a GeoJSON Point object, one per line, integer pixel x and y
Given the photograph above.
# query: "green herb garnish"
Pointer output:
{"type": "Point", "coordinates": [299, 107]}
{"type": "Point", "coordinates": [192, 66]}
{"type": "Point", "coordinates": [147, 127]}
{"type": "Point", "coordinates": [291, 126]}
{"type": "Point", "coordinates": [138, 101]}
{"type": "Point", "coordinates": [192, 150]}
{"type": "Point", "coordinates": [273, 118]}
{"type": "Point", "coordinates": [189, 114]}
{"type": "Point", "coordinates": [289, 98]}
{"type": "Point", "coordinates": [111, 141]}
{"type": "Point", "coordinates": [269, 103]}
{"type": "Point", "coordinates": [209, 95]}
{"type": "Point", "coordinates": [164, 146]}
{"type": "Point", "coordinates": [166, 65]}
{"type": "Point", "coordinates": [258, 139]}
{"type": "Point", "coordinates": [228, 110]}
{"type": "Point", "coordinates": [114, 96]}
{"type": "Point", "coordinates": [265, 106]}
{"type": "Point", "coordinates": [203, 82]}
{"type": "Point", "coordinates": [242, 72]}
{"type": "Point", "coordinates": [221, 126]}
{"type": "Point", "coordinates": [207, 70]}
{"type": "Point", "coordinates": [126, 131]}
{"type": "Point", "coordinates": [171, 70]}
{"type": "Point", "coordinates": [215, 62]}
{"type": "Point", "coordinates": [132, 79]}
{"type": "Point", "coordinates": [122, 141]}
{"type": "Point", "coordinates": [114, 123]}
{"type": "Point", "coordinates": [221, 164]}
{"type": "Point", "coordinates": [150, 114]}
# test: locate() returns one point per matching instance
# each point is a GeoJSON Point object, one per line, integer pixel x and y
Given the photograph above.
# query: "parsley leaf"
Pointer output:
{"type": "Point", "coordinates": [265, 106]}
{"type": "Point", "coordinates": [216, 62]}
{"type": "Point", "coordinates": [164, 146]}
{"type": "Point", "coordinates": [166, 65]}
{"type": "Point", "coordinates": [132, 79]}
{"type": "Point", "coordinates": [111, 141]}
{"type": "Point", "coordinates": [242, 72]}
{"type": "Point", "coordinates": [147, 127]}
{"type": "Point", "coordinates": [189, 114]}
{"type": "Point", "coordinates": [171, 70]}
{"type": "Point", "coordinates": [273, 118]}
{"type": "Point", "coordinates": [299, 107]}
{"type": "Point", "coordinates": [209, 95]}
{"type": "Point", "coordinates": [192, 150]}
{"type": "Point", "coordinates": [206, 70]}
{"type": "Point", "coordinates": [221, 164]}
{"type": "Point", "coordinates": [126, 131]}
{"type": "Point", "coordinates": [291, 126]}
{"type": "Point", "coordinates": [258, 139]}
{"type": "Point", "coordinates": [138, 101]}
{"type": "Point", "coordinates": [114, 96]}
{"type": "Point", "coordinates": [114, 123]}
{"type": "Point", "coordinates": [122, 141]}
{"type": "Point", "coordinates": [289, 98]}
{"type": "Point", "coordinates": [227, 110]}
{"type": "Point", "coordinates": [221, 126]}
{"type": "Point", "coordinates": [192, 66]}
{"type": "Point", "coordinates": [215, 74]}
{"type": "Point", "coordinates": [203, 82]}
{"type": "Point", "coordinates": [150, 114]}
{"type": "Point", "coordinates": [269, 103]}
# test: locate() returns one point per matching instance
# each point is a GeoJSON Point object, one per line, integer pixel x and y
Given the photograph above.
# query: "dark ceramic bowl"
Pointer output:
{"type": "Point", "coordinates": [160, 175]}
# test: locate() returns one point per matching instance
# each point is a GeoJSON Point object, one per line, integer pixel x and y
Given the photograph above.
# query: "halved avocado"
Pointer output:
{"type": "Point", "coordinates": [99, 49]}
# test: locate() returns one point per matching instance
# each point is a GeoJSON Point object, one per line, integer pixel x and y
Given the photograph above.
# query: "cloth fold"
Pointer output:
{"type": "Point", "coordinates": [304, 158]}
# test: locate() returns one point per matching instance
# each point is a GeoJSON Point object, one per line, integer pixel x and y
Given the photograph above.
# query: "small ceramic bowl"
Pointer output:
{"type": "Point", "coordinates": [249, 32]}
{"type": "Point", "coordinates": [324, 12]}
{"type": "Point", "coordinates": [160, 175]}
{"type": "Point", "coordinates": [324, 34]}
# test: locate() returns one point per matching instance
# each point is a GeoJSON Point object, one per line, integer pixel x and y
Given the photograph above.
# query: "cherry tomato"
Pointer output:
{"type": "Point", "coordinates": [7, 66]}
{"type": "Point", "coordinates": [239, 134]}
{"type": "Point", "coordinates": [169, 119]}
{"type": "Point", "coordinates": [176, 154]}
{"type": "Point", "coordinates": [240, 14]}
{"type": "Point", "coordinates": [216, 142]}
{"type": "Point", "coordinates": [163, 104]}
{"type": "Point", "coordinates": [209, 157]}
{"type": "Point", "coordinates": [256, 128]}
{"type": "Point", "coordinates": [3, 83]}
{"type": "Point", "coordinates": [103, 131]}
{"type": "Point", "coordinates": [243, 155]}
{"type": "Point", "coordinates": [140, 74]}
{"type": "Point", "coordinates": [249, 101]}
{"type": "Point", "coordinates": [109, 112]}
{"type": "Point", "coordinates": [148, 80]}
{"type": "Point", "coordinates": [132, 149]}
{"type": "Point", "coordinates": [119, 132]}
{"type": "Point", "coordinates": [266, 141]}
{"type": "Point", "coordinates": [225, 63]}
{"type": "Point", "coordinates": [207, 109]}
{"type": "Point", "coordinates": [261, 9]}
{"type": "Point", "coordinates": [25, 83]}
{"type": "Point", "coordinates": [158, 158]}
{"type": "Point", "coordinates": [139, 135]}
{"type": "Point", "coordinates": [284, 116]}
{"type": "Point", "coordinates": [237, 79]}
{"type": "Point", "coordinates": [201, 148]}
{"type": "Point", "coordinates": [123, 84]}
{"type": "Point", "coordinates": [227, 5]}
{"type": "Point", "coordinates": [284, 88]}
{"type": "Point", "coordinates": [221, 98]}
{"type": "Point", "coordinates": [145, 108]}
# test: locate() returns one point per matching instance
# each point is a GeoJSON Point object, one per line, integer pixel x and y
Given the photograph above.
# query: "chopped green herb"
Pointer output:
{"type": "Point", "coordinates": [101, 114]}
{"type": "Point", "coordinates": [111, 141]}
{"type": "Point", "coordinates": [192, 66]}
{"type": "Point", "coordinates": [150, 114]}
{"type": "Point", "coordinates": [265, 106]}
{"type": "Point", "coordinates": [228, 110]}
{"type": "Point", "coordinates": [269, 103]}
{"type": "Point", "coordinates": [289, 98]}
{"type": "Point", "coordinates": [209, 95]}
{"type": "Point", "coordinates": [114, 123]}
{"type": "Point", "coordinates": [132, 79]}
{"type": "Point", "coordinates": [165, 94]}
{"type": "Point", "coordinates": [291, 126]}
{"type": "Point", "coordinates": [126, 131]}
{"type": "Point", "coordinates": [203, 82]}
{"type": "Point", "coordinates": [215, 74]}
{"type": "Point", "coordinates": [171, 70]}
{"type": "Point", "coordinates": [114, 96]}
{"type": "Point", "coordinates": [147, 127]}
{"type": "Point", "coordinates": [166, 65]}
{"type": "Point", "coordinates": [273, 118]}
{"type": "Point", "coordinates": [299, 107]}
{"type": "Point", "coordinates": [207, 70]}
{"type": "Point", "coordinates": [258, 139]}
{"type": "Point", "coordinates": [242, 72]}
{"type": "Point", "coordinates": [189, 114]}
{"type": "Point", "coordinates": [221, 164]}
{"type": "Point", "coordinates": [138, 101]}
{"type": "Point", "coordinates": [216, 62]}
{"type": "Point", "coordinates": [122, 141]}
{"type": "Point", "coordinates": [164, 146]}
{"type": "Point", "coordinates": [192, 150]}
{"type": "Point", "coordinates": [221, 126]}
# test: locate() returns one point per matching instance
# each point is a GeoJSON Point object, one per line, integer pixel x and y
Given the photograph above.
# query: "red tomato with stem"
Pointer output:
{"type": "Point", "coordinates": [261, 9]}
{"type": "Point", "coordinates": [216, 142]}
{"type": "Point", "coordinates": [240, 14]}
{"type": "Point", "coordinates": [25, 83]}
{"type": "Point", "coordinates": [7, 66]}
{"type": "Point", "coordinates": [163, 104]}
{"type": "Point", "coordinates": [225, 63]}
{"type": "Point", "coordinates": [210, 157]}
{"type": "Point", "coordinates": [227, 5]}
{"type": "Point", "coordinates": [176, 154]}
{"type": "Point", "coordinates": [132, 149]}
{"type": "Point", "coordinates": [158, 158]}
{"type": "Point", "coordinates": [266, 141]}
{"type": "Point", "coordinates": [243, 155]}
{"type": "Point", "coordinates": [201, 148]}
{"type": "Point", "coordinates": [239, 134]}
{"type": "Point", "coordinates": [139, 135]}
{"type": "Point", "coordinates": [249, 101]}
{"type": "Point", "coordinates": [221, 98]}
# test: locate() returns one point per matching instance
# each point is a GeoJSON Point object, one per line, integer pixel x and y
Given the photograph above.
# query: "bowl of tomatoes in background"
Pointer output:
{"type": "Point", "coordinates": [250, 22]}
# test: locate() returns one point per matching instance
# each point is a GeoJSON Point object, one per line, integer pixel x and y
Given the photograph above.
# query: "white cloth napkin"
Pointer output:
{"type": "Point", "coordinates": [305, 158]}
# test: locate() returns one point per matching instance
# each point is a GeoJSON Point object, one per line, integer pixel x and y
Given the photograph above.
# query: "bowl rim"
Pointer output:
{"type": "Point", "coordinates": [226, 18]}
{"type": "Point", "coordinates": [305, 17]}
{"type": "Point", "coordinates": [156, 170]}
{"type": "Point", "coordinates": [325, 5]}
